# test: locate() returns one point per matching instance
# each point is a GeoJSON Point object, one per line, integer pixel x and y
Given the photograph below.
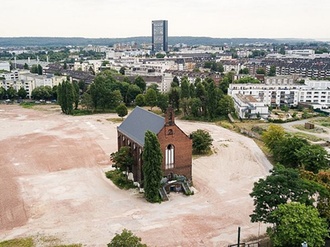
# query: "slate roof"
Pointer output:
{"type": "Point", "coordinates": [138, 122]}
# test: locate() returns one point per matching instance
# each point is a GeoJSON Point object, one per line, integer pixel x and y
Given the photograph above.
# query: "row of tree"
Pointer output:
{"type": "Point", "coordinates": [295, 197]}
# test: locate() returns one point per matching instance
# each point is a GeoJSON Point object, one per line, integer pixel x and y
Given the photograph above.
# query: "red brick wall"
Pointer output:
{"type": "Point", "coordinates": [182, 150]}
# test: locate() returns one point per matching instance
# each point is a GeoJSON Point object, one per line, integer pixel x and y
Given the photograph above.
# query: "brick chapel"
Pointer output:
{"type": "Point", "coordinates": [176, 146]}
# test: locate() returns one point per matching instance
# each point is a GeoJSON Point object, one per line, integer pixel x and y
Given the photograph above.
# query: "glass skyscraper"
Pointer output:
{"type": "Point", "coordinates": [159, 36]}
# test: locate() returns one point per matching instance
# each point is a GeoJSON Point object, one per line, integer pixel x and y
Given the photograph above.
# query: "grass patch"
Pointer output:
{"type": "Point", "coordinates": [309, 137]}
{"type": "Point", "coordinates": [325, 122]}
{"type": "Point", "coordinates": [27, 105]}
{"type": "Point", "coordinates": [225, 124]}
{"type": "Point", "coordinates": [315, 130]}
{"type": "Point", "coordinates": [119, 179]}
{"type": "Point", "coordinates": [48, 241]}
{"type": "Point", "coordinates": [115, 120]}
{"type": "Point", "coordinates": [18, 242]}
{"type": "Point", "coordinates": [82, 112]}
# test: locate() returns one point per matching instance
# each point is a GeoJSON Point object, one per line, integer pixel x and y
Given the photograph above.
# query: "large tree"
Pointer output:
{"type": "Point", "coordinates": [22, 93]}
{"type": "Point", "coordinates": [121, 110]}
{"type": "Point", "coordinates": [297, 223]}
{"type": "Point", "coordinates": [285, 152]}
{"type": "Point", "coordinates": [226, 105]}
{"type": "Point", "coordinates": [151, 98]}
{"type": "Point", "coordinates": [65, 97]}
{"type": "Point", "coordinates": [283, 185]}
{"type": "Point", "coordinates": [139, 81]}
{"type": "Point", "coordinates": [202, 141]}
{"type": "Point", "coordinates": [152, 161]}
{"type": "Point", "coordinates": [185, 92]}
{"type": "Point", "coordinates": [313, 158]}
{"type": "Point", "coordinates": [122, 159]}
{"type": "Point", "coordinates": [273, 135]}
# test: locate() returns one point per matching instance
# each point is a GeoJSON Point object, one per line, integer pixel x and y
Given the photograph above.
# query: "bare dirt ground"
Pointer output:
{"type": "Point", "coordinates": [52, 183]}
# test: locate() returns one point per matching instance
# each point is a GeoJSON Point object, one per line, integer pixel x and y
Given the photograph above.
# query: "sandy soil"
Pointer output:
{"type": "Point", "coordinates": [52, 183]}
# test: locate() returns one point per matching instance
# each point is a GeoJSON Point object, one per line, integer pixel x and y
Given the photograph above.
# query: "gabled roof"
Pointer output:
{"type": "Point", "coordinates": [138, 122]}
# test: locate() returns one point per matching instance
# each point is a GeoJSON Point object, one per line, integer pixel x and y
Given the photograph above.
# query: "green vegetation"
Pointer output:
{"type": "Point", "coordinates": [31, 242]}
{"type": "Point", "coordinates": [202, 141]}
{"type": "Point", "coordinates": [152, 161]}
{"type": "Point", "coordinates": [18, 242]}
{"type": "Point", "coordinates": [325, 122]}
{"type": "Point", "coordinates": [297, 223]}
{"type": "Point", "coordinates": [309, 137]}
{"type": "Point", "coordinates": [295, 196]}
{"type": "Point", "coordinates": [119, 179]}
{"type": "Point", "coordinates": [126, 239]}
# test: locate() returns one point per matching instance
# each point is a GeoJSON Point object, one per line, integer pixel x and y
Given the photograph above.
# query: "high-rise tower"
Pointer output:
{"type": "Point", "coordinates": [159, 35]}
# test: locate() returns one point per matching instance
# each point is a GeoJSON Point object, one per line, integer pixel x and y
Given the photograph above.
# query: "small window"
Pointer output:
{"type": "Point", "coordinates": [170, 132]}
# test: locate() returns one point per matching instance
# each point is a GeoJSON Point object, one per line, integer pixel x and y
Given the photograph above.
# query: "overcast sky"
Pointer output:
{"type": "Point", "coordinates": [129, 18]}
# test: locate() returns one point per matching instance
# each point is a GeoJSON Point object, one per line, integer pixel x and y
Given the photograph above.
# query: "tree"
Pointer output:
{"type": "Point", "coordinates": [26, 66]}
{"type": "Point", "coordinates": [212, 99]}
{"type": "Point", "coordinates": [34, 69]}
{"type": "Point", "coordinates": [65, 97]}
{"type": "Point", "coordinates": [126, 239]}
{"type": "Point", "coordinates": [11, 93]}
{"type": "Point", "coordinates": [122, 159]}
{"type": "Point", "coordinates": [272, 71]}
{"type": "Point", "coordinates": [175, 82]}
{"type": "Point", "coordinates": [121, 110]}
{"type": "Point", "coordinates": [174, 98]}
{"type": "Point", "coordinates": [202, 141]}
{"type": "Point", "coordinates": [312, 157]}
{"type": "Point", "coordinates": [132, 91]}
{"type": "Point", "coordinates": [283, 185]}
{"type": "Point", "coordinates": [39, 69]}
{"type": "Point", "coordinates": [2, 93]}
{"type": "Point", "coordinates": [86, 101]}
{"type": "Point", "coordinates": [260, 71]}
{"type": "Point", "coordinates": [273, 135]}
{"type": "Point", "coordinates": [285, 151]}
{"type": "Point", "coordinates": [244, 71]}
{"type": "Point", "coordinates": [122, 70]}
{"type": "Point", "coordinates": [75, 94]}
{"type": "Point", "coordinates": [22, 93]}
{"type": "Point", "coordinates": [185, 92]}
{"type": "Point", "coordinates": [139, 100]}
{"type": "Point", "coordinates": [225, 105]}
{"type": "Point", "coordinates": [152, 160]}
{"type": "Point", "coordinates": [297, 223]}
{"type": "Point", "coordinates": [151, 98]}
{"type": "Point", "coordinates": [162, 101]}
{"type": "Point", "coordinates": [139, 81]}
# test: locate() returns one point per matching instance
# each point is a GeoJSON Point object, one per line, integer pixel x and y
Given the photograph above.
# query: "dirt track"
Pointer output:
{"type": "Point", "coordinates": [52, 183]}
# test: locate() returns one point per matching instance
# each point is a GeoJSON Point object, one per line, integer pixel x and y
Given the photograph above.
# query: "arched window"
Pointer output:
{"type": "Point", "coordinates": [169, 157]}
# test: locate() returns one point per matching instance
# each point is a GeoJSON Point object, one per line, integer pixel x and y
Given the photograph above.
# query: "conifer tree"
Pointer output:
{"type": "Point", "coordinates": [152, 161]}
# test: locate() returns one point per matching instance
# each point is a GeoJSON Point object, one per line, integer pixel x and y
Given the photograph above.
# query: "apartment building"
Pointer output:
{"type": "Point", "coordinates": [28, 81]}
{"type": "Point", "coordinates": [313, 92]}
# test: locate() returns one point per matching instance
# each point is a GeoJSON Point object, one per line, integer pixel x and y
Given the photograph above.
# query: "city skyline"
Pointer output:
{"type": "Point", "coordinates": [127, 18]}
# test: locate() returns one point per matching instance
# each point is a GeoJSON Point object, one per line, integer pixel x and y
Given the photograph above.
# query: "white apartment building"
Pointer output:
{"type": "Point", "coordinates": [29, 81]}
{"type": "Point", "coordinates": [314, 92]}
{"type": "Point", "coordinates": [248, 106]}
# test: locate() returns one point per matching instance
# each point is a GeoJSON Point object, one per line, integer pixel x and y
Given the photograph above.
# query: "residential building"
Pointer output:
{"type": "Point", "coordinates": [176, 146]}
{"type": "Point", "coordinates": [291, 94]}
{"type": "Point", "coordinates": [248, 106]}
{"type": "Point", "coordinates": [159, 36]}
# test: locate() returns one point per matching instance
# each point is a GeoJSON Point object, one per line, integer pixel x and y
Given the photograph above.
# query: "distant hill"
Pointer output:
{"type": "Point", "coordinates": [53, 41]}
